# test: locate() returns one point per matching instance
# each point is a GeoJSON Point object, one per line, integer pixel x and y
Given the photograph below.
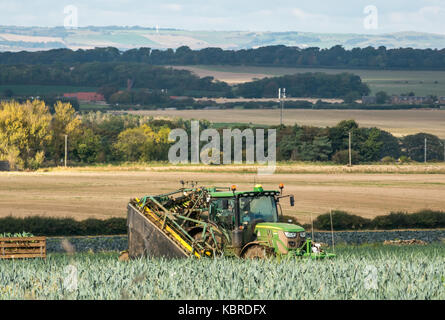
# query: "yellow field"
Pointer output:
{"type": "Point", "coordinates": [398, 122]}
{"type": "Point", "coordinates": [104, 192]}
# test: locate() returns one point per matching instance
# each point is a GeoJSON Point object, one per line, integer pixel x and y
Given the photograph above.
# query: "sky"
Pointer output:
{"type": "Point", "coordinates": [321, 16]}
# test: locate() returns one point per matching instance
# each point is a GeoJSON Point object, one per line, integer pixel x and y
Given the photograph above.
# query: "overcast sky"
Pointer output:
{"type": "Point", "coordinates": [327, 16]}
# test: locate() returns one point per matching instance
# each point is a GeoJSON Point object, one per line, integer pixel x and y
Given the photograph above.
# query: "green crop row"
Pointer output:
{"type": "Point", "coordinates": [367, 272]}
{"type": "Point", "coordinates": [16, 235]}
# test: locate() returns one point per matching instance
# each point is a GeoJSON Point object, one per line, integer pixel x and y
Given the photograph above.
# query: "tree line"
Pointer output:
{"type": "Point", "coordinates": [320, 85]}
{"type": "Point", "coordinates": [160, 82]}
{"type": "Point", "coordinates": [277, 55]}
{"type": "Point", "coordinates": [115, 75]}
{"type": "Point", "coordinates": [31, 137]}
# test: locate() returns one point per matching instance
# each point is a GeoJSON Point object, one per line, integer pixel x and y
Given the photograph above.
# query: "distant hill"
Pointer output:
{"type": "Point", "coordinates": [38, 38]}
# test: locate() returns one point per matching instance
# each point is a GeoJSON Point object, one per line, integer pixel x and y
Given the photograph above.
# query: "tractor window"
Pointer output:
{"type": "Point", "coordinates": [224, 211]}
{"type": "Point", "coordinates": [258, 208]}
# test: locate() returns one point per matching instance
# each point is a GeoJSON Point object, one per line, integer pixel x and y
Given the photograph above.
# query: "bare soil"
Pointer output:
{"type": "Point", "coordinates": [103, 194]}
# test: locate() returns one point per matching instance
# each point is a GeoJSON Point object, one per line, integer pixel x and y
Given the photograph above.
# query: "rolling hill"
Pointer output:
{"type": "Point", "coordinates": [14, 38]}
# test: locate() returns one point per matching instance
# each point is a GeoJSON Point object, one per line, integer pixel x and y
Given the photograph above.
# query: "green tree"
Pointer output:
{"type": "Point", "coordinates": [342, 157]}
{"type": "Point", "coordinates": [390, 145]}
{"type": "Point", "coordinates": [366, 141]}
{"type": "Point", "coordinates": [414, 147]}
{"type": "Point", "coordinates": [339, 135]}
{"type": "Point", "coordinates": [351, 97]}
{"type": "Point", "coordinates": [87, 147]}
{"type": "Point", "coordinates": [382, 97]}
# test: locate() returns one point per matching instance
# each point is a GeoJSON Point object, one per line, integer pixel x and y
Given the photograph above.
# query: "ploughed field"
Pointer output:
{"type": "Point", "coordinates": [366, 272]}
{"type": "Point", "coordinates": [105, 192]}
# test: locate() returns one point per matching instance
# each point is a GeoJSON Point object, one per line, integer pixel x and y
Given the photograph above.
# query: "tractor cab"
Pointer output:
{"type": "Point", "coordinates": [235, 209]}
{"type": "Point", "coordinates": [253, 218]}
{"type": "Point", "coordinates": [245, 212]}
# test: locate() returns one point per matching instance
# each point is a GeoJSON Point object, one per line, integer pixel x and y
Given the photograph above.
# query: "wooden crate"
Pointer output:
{"type": "Point", "coordinates": [19, 248]}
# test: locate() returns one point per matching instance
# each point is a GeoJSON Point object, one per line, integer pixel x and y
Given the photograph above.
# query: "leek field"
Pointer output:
{"type": "Point", "coordinates": [365, 272]}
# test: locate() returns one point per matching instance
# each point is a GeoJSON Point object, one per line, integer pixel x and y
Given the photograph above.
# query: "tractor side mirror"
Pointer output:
{"type": "Point", "coordinates": [292, 201]}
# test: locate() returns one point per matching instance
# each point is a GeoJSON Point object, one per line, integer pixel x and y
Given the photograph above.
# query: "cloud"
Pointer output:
{"type": "Point", "coordinates": [172, 7]}
{"type": "Point", "coordinates": [300, 14]}
{"type": "Point", "coordinates": [425, 19]}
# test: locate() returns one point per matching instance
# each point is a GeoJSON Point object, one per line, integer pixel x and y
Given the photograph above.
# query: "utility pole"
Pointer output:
{"type": "Point", "coordinates": [279, 101]}
{"type": "Point", "coordinates": [281, 98]}
{"type": "Point", "coordinates": [282, 104]}
{"type": "Point", "coordinates": [332, 232]}
{"type": "Point", "coordinates": [425, 148]}
{"type": "Point", "coordinates": [350, 150]}
{"type": "Point", "coordinates": [66, 149]}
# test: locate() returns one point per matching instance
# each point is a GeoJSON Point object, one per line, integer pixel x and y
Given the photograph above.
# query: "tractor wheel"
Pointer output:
{"type": "Point", "coordinates": [257, 252]}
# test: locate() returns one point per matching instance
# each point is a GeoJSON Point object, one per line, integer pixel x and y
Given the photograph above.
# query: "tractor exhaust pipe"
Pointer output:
{"type": "Point", "coordinates": [237, 233]}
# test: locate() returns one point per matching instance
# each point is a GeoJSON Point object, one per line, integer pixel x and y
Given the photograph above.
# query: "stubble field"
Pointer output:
{"type": "Point", "coordinates": [398, 122]}
{"type": "Point", "coordinates": [102, 193]}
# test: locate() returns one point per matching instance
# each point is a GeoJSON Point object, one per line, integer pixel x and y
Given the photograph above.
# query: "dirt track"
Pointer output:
{"type": "Point", "coordinates": [105, 194]}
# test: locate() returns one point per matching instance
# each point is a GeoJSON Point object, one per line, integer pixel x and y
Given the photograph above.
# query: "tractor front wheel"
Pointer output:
{"type": "Point", "coordinates": [257, 252]}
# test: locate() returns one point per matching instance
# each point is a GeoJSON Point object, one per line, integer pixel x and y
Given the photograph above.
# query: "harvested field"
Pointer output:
{"type": "Point", "coordinates": [398, 122]}
{"type": "Point", "coordinates": [105, 193]}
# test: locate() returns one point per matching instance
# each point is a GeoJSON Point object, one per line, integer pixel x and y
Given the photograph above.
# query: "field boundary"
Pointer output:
{"type": "Point", "coordinates": [119, 243]}
{"type": "Point", "coordinates": [281, 168]}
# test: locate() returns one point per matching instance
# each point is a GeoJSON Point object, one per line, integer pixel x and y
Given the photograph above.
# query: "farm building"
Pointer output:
{"type": "Point", "coordinates": [369, 100]}
{"type": "Point", "coordinates": [409, 100]}
{"type": "Point", "coordinates": [85, 96]}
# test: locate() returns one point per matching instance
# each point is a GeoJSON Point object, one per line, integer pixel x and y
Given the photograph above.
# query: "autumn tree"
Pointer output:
{"type": "Point", "coordinates": [64, 122]}
{"type": "Point", "coordinates": [142, 144]}
{"type": "Point", "coordinates": [24, 133]}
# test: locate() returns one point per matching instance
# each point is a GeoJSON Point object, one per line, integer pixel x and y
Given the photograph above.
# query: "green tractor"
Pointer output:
{"type": "Point", "coordinates": [209, 222]}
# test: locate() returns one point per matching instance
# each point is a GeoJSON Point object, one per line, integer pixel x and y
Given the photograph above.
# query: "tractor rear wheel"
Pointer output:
{"type": "Point", "coordinates": [257, 252]}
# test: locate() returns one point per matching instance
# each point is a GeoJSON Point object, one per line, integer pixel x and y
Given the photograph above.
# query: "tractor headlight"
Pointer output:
{"type": "Point", "coordinates": [290, 234]}
{"type": "Point", "coordinates": [303, 234]}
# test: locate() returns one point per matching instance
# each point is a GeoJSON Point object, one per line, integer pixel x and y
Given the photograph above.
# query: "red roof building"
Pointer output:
{"type": "Point", "coordinates": [85, 96]}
